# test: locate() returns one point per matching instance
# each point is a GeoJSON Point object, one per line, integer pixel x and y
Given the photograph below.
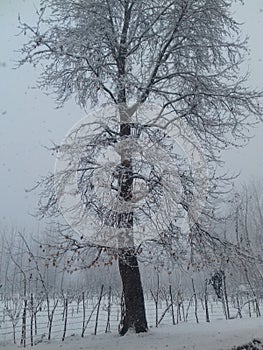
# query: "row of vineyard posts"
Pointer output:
{"type": "Point", "coordinates": [35, 317]}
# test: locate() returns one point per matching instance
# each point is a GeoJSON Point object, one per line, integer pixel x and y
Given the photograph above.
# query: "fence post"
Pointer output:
{"type": "Point", "coordinates": [195, 301]}
{"type": "Point", "coordinates": [65, 318]}
{"type": "Point", "coordinates": [206, 302]}
{"type": "Point", "coordinates": [172, 304]}
{"type": "Point", "coordinates": [83, 314]}
{"type": "Point", "coordinates": [98, 310]}
{"type": "Point", "coordinates": [108, 312]}
{"type": "Point", "coordinates": [32, 320]}
{"type": "Point", "coordinates": [23, 335]}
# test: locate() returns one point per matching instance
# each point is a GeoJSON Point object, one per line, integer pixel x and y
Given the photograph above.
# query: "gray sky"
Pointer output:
{"type": "Point", "coordinates": [29, 120]}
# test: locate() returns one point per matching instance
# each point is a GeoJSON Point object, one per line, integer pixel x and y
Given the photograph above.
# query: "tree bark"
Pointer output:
{"type": "Point", "coordinates": [134, 317]}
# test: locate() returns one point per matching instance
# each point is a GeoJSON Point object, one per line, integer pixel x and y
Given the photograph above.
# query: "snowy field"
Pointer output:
{"type": "Point", "coordinates": [187, 334]}
{"type": "Point", "coordinates": [104, 317]}
{"type": "Point", "coordinates": [217, 335]}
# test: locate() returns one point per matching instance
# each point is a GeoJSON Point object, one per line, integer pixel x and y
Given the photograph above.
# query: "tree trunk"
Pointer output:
{"type": "Point", "coordinates": [134, 317]}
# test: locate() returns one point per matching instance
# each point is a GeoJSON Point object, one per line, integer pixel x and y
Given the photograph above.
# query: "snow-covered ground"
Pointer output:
{"type": "Point", "coordinates": [217, 335]}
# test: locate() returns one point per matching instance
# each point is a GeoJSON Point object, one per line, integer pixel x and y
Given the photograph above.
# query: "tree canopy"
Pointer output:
{"type": "Point", "coordinates": [184, 54]}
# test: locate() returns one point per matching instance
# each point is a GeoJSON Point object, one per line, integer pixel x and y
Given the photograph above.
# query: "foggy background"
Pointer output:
{"type": "Point", "coordinates": [29, 120]}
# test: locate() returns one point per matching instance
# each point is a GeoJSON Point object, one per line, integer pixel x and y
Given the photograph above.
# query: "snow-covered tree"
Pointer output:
{"type": "Point", "coordinates": [184, 56]}
{"type": "Point", "coordinates": [244, 227]}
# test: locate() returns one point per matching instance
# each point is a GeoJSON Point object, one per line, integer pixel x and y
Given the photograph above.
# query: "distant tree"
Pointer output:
{"type": "Point", "coordinates": [244, 227]}
{"type": "Point", "coordinates": [184, 55]}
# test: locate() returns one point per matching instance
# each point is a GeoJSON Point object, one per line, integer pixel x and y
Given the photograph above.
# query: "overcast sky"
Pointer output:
{"type": "Point", "coordinates": [29, 120]}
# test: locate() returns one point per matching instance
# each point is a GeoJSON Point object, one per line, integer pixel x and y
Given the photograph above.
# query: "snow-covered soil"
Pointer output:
{"type": "Point", "coordinates": [218, 335]}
